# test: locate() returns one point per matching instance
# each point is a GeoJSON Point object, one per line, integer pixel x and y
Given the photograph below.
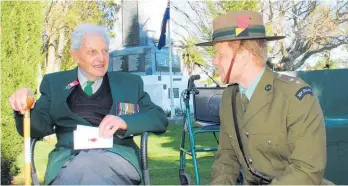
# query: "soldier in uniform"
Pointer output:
{"type": "Point", "coordinates": [272, 126]}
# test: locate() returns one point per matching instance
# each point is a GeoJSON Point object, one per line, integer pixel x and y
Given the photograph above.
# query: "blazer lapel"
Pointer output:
{"type": "Point", "coordinates": [116, 93]}
{"type": "Point", "coordinates": [69, 77]}
{"type": "Point", "coordinates": [261, 97]}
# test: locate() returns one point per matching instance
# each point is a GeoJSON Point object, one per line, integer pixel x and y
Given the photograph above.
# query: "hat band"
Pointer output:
{"type": "Point", "coordinates": [235, 32]}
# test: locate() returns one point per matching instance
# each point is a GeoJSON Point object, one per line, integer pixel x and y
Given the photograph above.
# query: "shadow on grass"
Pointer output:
{"type": "Point", "coordinates": [174, 132]}
{"type": "Point", "coordinates": [166, 170]}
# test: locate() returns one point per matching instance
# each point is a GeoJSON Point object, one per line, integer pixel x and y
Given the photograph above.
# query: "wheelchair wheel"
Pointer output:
{"type": "Point", "coordinates": [185, 179]}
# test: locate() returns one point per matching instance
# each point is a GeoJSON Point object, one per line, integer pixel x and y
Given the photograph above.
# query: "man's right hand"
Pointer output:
{"type": "Point", "coordinates": [18, 100]}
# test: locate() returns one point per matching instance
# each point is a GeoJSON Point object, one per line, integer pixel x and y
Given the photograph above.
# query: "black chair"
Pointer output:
{"type": "Point", "coordinates": [143, 159]}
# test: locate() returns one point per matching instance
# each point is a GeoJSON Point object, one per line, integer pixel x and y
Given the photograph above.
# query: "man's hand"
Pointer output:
{"type": "Point", "coordinates": [18, 100]}
{"type": "Point", "coordinates": [110, 124]}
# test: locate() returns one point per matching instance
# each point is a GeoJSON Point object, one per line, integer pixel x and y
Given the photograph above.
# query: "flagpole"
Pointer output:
{"type": "Point", "coordinates": [172, 110]}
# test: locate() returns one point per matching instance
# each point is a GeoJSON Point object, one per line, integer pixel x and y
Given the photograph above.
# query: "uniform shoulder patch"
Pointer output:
{"type": "Point", "coordinates": [304, 91]}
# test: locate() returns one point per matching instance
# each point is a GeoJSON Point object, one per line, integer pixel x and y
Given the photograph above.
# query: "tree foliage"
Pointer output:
{"type": "Point", "coordinates": [190, 56]}
{"type": "Point", "coordinates": [21, 27]}
{"type": "Point", "coordinates": [311, 28]}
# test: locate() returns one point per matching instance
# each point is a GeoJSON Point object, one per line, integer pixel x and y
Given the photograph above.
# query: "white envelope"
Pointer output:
{"type": "Point", "coordinates": [86, 137]}
{"type": "Point", "coordinates": [84, 128]}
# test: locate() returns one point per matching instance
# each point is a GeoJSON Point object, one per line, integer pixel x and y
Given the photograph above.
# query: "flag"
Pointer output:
{"type": "Point", "coordinates": [166, 17]}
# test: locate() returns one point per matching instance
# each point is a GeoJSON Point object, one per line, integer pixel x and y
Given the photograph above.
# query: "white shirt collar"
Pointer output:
{"type": "Point", "coordinates": [82, 77]}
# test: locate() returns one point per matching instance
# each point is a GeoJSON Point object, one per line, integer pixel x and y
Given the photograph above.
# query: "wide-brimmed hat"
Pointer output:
{"type": "Point", "coordinates": [239, 25]}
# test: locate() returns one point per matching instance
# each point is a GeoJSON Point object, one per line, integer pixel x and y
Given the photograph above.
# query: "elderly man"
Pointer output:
{"type": "Point", "coordinates": [89, 95]}
{"type": "Point", "coordinates": [272, 125]}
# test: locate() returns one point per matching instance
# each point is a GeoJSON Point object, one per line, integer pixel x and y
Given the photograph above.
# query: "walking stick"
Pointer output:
{"type": "Point", "coordinates": [26, 126]}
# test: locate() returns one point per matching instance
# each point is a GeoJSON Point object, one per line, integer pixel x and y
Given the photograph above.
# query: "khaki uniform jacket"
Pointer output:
{"type": "Point", "coordinates": [282, 131]}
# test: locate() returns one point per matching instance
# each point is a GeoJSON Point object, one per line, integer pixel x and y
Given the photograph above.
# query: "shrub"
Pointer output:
{"type": "Point", "coordinates": [21, 29]}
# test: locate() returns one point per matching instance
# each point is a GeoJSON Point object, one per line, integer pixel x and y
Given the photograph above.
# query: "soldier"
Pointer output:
{"type": "Point", "coordinates": [272, 126]}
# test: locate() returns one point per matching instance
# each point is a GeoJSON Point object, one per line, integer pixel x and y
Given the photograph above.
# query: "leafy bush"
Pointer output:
{"type": "Point", "coordinates": [21, 29]}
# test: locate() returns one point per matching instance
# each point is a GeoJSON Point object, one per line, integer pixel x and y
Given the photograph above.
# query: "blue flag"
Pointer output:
{"type": "Point", "coordinates": [166, 17]}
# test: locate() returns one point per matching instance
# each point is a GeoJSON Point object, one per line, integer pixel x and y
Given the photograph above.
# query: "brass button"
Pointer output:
{"type": "Point", "coordinates": [247, 134]}
{"type": "Point", "coordinates": [230, 136]}
{"type": "Point", "coordinates": [250, 161]}
{"type": "Point", "coordinates": [269, 142]}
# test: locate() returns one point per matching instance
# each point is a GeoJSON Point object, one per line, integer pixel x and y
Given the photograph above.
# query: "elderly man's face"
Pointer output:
{"type": "Point", "coordinates": [224, 53]}
{"type": "Point", "coordinates": [93, 56]}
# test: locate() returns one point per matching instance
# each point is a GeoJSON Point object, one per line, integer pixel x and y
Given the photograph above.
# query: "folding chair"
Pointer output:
{"type": "Point", "coordinates": [143, 159]}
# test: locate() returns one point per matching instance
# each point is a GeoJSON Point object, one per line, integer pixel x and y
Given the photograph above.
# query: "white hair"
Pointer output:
{"type": "Point", "coordinates": [81, 30]}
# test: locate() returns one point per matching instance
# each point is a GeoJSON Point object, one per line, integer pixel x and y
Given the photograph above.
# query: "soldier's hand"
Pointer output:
{"type": "Point", "coordinates": [18, 100]}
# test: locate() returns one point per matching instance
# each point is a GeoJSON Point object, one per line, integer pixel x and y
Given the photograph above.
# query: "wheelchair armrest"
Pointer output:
{"type": "Point", "coordinates": [33, 169]}
{"type": "Point", "coordinates": [144, 164]}
{"type": "Point", "coordinates": [143, 148]}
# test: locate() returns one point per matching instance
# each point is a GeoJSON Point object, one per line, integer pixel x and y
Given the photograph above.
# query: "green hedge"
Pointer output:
{"type": "Point", "coordinates": [21, 29]}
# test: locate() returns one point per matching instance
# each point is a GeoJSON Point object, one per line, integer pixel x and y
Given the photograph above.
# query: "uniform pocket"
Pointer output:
{"type": "Point", "coordinates": [273, 148]}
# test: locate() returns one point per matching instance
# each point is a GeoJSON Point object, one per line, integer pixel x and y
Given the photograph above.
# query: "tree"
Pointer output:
{"type": "Point", "coordinates": [311, 27]}
{"type": "Point", "coordinates": [190, 56]}
{"type": "Point", "coordinates": [21, 29]}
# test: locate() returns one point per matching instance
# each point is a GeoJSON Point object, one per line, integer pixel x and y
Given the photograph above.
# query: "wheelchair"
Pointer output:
{"type": "Point", "coordinates": [143, 159]}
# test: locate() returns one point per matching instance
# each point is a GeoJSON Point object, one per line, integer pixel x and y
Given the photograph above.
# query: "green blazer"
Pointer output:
{"type": "Point", "coordinates": [282, 132]}
{"type": "Point", "coordinates": [51, 110]}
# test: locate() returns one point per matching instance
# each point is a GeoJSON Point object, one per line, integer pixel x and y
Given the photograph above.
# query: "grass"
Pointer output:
{"type": "Point", "coordinates": [163, 153]}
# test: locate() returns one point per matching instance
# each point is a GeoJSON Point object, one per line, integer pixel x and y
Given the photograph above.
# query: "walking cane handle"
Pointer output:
{"type": "Point", "coordinates": [30, 101]}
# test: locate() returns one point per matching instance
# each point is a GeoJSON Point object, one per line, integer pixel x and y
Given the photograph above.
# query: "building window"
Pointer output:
{"type": "Point", "coordinates": [175, 91]}
{"type": "Point", "coordinates": [164, 86]}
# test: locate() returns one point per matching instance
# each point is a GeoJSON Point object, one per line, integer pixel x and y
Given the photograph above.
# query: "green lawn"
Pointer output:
{"type": "Point", "coordinates": [163, 151]}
